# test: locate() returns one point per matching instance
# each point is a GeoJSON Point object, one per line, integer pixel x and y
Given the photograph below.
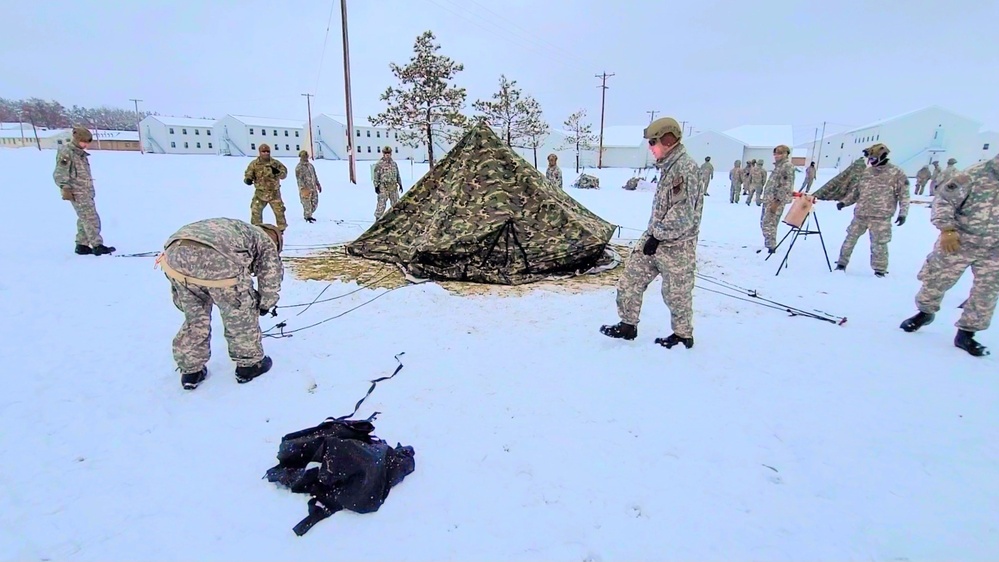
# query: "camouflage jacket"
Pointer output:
{"type": "Point", "coordinates": [305, 174]}
{"type": "Point", "coordinates": [947, 173]}
{"type": "Point", "coordinates": [969, 203]}
{"type": "Point", "coordinates": [679, 199]}
{"type": "Point", "coordinates": [387, 174]}
{"type": "Point", "coordinates": [781, 184]}
{"type": "Point", "coordinates": [72, 170]}
{"type": "Point", "coordinates": [923, 173]}
{"type": "Point", "coordinates": [756, 176]}
{"type": "Point", "coordinates": [247, 251]}
{"type": "Point", "coordinates": [879, 191]}
{"type": "Point", "coordinates": [554, 175]}
{"type": "Point", "coordinates": [735, 176]}
{"type": "Point", "coordinates": [763, 175]}
{"type": "Point", "coordinates": [707, 170]}
{"type": "Point", "coordinates": [809, 174]}
{"type": "Point", "coordinates": [936, 173]}
{"type": "Point", "coordinates": [266, 174]}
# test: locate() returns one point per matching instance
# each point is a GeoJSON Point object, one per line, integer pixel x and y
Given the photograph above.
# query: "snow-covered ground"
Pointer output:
{"type": "Point", "coordinates": [537, 438]}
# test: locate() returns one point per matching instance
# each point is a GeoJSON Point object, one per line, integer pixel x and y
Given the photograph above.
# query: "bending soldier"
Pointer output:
{"type": "Point", "coordinates": [210, 262]}
{"type": "Point", "coordinates": [966, 211]}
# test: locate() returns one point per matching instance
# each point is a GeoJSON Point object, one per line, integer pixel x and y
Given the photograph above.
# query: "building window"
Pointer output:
{"type": "Point", "coordinates": [369, 150]}
{"type": "Point", "coordinates": [358, 132]}
{"type": "Point", "coordinates": [173, 145]}
{"type": "Point", "coordinates": [263, 132]}
{"type": "Point", "coordinates": [171, 130]}
{"type": "Point", "coordinates": [183, 131]}
{"type": "Point", "coordinates": [208, 132]}
{"type": "Point", "coordinates": [369, 133]}
{"type": "Point", "coordinates": [286, 147]}
{"type": "Point", "coordinates": [841, 145]}
{"type": "Point", "coordinates": [185, 145]}
{"type": "Point", "coordinates": [60, 142]}
{"type": "Point", "coordinates": [378, 134]}
{"type": "Point", "coordinates": [877, 137]}
{"type": "Point", "coordinates": [198, 145]}
{"type": "Point", "coordinates": [298, 147]}
{"type": "Point", "coordinates": [296, 133]}
{"type": "Point", "coordinates": [286, 133]}
{"type": "Point", "coordinates": [253, 146]}
{"type": "Point", "coordinates": [397, 150]}
{"type": "Point", "coordinates": [209, 145]}
{"type": "Point", "coordinates": [251, 131]}
{"type": "Point", "coordinates": [197, 131]}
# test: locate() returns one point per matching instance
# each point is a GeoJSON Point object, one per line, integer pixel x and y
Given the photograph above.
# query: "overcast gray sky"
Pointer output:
{"type": "Point", "coordinates": [714, 63]}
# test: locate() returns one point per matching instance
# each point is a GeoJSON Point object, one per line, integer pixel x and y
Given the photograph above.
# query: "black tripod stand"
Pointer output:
{"type": "Point", "coordinates": [803, 230]}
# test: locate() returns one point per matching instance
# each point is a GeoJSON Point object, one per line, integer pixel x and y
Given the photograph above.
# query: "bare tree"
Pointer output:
{"type": "Point", "coordinates": [536, 129]}
{"type": "Point", "coordinates": [581, 135]}
{"type": "Point", "coordinates": [508, 111]}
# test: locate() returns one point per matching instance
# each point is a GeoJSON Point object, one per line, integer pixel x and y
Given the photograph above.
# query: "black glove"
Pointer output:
{"type": "Point", "coordinates": [400, 188]}
{"type": "Point", "coordinates": [900, 220]}
{"type": "Point", "coordinates": [265, 312]}
{"type": "Point", "coordinates": [276, 170]}
{"type": "Point", "coordinates": [839, 206]}
{"type": "Point", "coordinates": [248, 181]}
{"type": "Point", "coordinates": [650, 247]}
{"type": "Point", "coordinates": [377, 190]}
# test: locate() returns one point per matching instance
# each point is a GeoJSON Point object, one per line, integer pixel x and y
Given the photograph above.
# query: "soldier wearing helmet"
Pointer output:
{"type": "Point", "coordinates": [308, 185]}
{"type": "Point", "coordinates": [756, 177]}
{"type": "Point", "coordinates": [72, 176]}
{"type": "Point", "coordinates": [707, 173]}
{"type": "Point", "coordinates": [806, 185]}
{"type": "Point", "coordinates": [554, 174]}
{"type": "Point", "coordinates": [735, 182]}
{"type": "Point", "coordinates": [776, 195]}
{"type": "Point", "coordinates": [922, 177]}
{"type": "Point", "coordinates": [948, 172]}
{"type": "Point", "coordinates": [668, 246]}
{"type": "Point", "coordinates": [935, 177]}
{"type": "Point", "coordinates": [882, 188]}
{"type": "Point", "coordinates": [386, 180]}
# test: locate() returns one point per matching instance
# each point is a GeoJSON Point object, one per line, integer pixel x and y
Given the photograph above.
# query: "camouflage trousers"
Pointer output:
{"type": "Point", "coordinates": [920, 186]}
{"type": "Point", "coordinates": [386, 194]}
{"type": "Point", "coordinates": [310, 200]}
{"type": "Point", "coordinates": [88, 222]}
{"type": "Point", "coordinates": [677, 264]}
{"type": "Point", "coordinates": [769, 219]}
{"type": "Point", "coordinates": [706, 180]}
{"type": "Point", "coordinates": [756, 190]}
{"type": "Point", "coordinates": [942, 270]}
{"type": "Point", "coordinates": [932, 187]}
{"type": "Point", "coordinates": [880, 233]}
{"type": "Point", "coordinates": [806, 185]}
{"type": "Point", "coordinates": [238, 306]}
{"type": "Point", "coordinates": [262, 199]}
{"type": "Point", "coordinates": [734, 192]}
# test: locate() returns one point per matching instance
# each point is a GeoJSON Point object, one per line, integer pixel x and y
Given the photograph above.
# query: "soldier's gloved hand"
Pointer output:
{"type": "Point", "coordinates": [900, 220]}
{"type": "Point", "coordinates": [839, 206]}
{"type": "Point", "coordinates": [650, 247]}
{"type": "Point", "coordinates": [276, 170]}
{"type": "Point", "coordinates": [377, 190]}
{"type": "Point", "coordinates": [400, 189]}
{"type": "Point", "coordinates": [319, 188]}
{"type": "Point", "coordinates": [950, 241]}
{"type": "Point", "coordinates": [67, 194]}
{"type": "Point", "coordinates": [265, 311]}
{"type": "Point", "coordinates": [248, 181]}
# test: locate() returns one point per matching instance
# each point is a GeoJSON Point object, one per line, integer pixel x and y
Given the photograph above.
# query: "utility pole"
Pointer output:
{"type": "Point", "coordinates": [38, 143]}
{"type": "Point", "coordinates": [815, 140]}
{"type": "Point", "coordinates": [653, 115]}
{"type": "Point", "coordinates": [312, 143]}
{"type": "Point", "coordinates": [137, 127]}
{"type": "Point", "coordinates": [821, 137]}
{"type": "Point", "coordinates": [603, 101]}
{"type": "Point", "coordinates": [346, 87]}
{"type": "Point", "coordinates": [683, 128]}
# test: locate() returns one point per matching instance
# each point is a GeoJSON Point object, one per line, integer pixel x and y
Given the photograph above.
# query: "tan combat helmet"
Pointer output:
{"type": "Point", "coordinates": [276, 235]}
{"type": "Point", "coordinates": [387, 150]}
{"type": "Point", "coordinates": [879, 150]}
{"type": "Point", "coordinates": [782, 149]}
{"type": "Point", "coordinates": [951, 161]}
{"type": "Point", "coordinates": [304, 155]}
{"type": "Point", "coordinates": [660, 127]}
{"type": "Point", "coordinates": [82, 134]}
{"type": "Point", "coordinates": [738, 163]}
{"type": "Point", "coordinates": [759, 161]}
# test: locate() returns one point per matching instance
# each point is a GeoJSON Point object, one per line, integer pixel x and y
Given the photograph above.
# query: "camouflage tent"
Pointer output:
{"type": "Point", "coordinates": [484, 214]}
{"type": "Point", "coordinates": [837, 188]}
{"type": "Point", "coordinates": [587, 181]}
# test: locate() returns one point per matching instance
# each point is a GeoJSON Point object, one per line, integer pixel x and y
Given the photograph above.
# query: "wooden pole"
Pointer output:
{"type": "Point", "coordinates": [346, 86]}
{"type": "Point", "coordinates": [603, 102]}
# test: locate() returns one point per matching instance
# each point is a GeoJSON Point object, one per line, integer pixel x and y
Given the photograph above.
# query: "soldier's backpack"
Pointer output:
{"type": "Point", "coordinates": [355, 469]}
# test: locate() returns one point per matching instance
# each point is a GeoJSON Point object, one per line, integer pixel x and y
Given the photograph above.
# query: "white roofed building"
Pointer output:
{"type": "Point", "coordinates": [760, 140]}
{"type": "Point", "coordinates": [162, 134]}
{"type": "Point", "coordinates": [624, 147]}
{"type": "Point", "coordinates": [723, 150]}
{"type": "Point", "coordinates": [242, 135]}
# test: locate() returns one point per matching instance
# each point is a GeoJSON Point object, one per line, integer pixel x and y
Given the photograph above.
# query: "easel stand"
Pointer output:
{"type": "Point", "coordinates": [804, 230]}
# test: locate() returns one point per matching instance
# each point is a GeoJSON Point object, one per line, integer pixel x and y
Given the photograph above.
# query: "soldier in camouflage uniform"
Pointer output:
{"type": "Point", "coordinates": [756, 178]}
{"type": "Point", "coordinates": [668, 247]}
{"type": "Point", "coordinates": [707, 173]}
{"type": "Point", "coordinates": [763, 171]}
{"type": "Point", "coordinates": [966, 211]}
{"type": "Point", "coordinates": [934, 177]}
{"type": "Point", "coordinates": [72, 176]}
{"type": "Point", "coordinates": [308, 185]}
{"type": "Point", "coordinates": [735, 180]}
{"type": "Point", "coordinates": [806, 185]}
{"type": "Point", "coordinates": [922, 176]}
{"type": "Point", "coordinates": [265, 175]}
{"type": "Point", "coordinates": [210, 262]}
{"type": "Point", "coordinates": [882, 188]}
{"type": "Point", "coordinates": [387, 179]}
{"type": "Point", "coordinates": [554, 174]}
{"type": "Point", "coordinates": [948, 172]}
{"type": "Point", "coordinates": [746, 172]}
{"type": "Point", "coordinates": [776, 195]}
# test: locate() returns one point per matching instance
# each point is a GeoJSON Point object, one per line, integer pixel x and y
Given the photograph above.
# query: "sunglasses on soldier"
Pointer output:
{"type": "Point", "coordinates": [652, 142]}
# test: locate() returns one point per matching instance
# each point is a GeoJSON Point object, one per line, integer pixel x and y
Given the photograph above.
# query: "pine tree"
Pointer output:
{"type": "Point", "coordinates": [581, 135]}
{"type": "Point", "coordinates": [536, 130]}
{"type": "Point", "coordinates": [426, 104]}
{"type": "Point", "coordinates": [508, 111]}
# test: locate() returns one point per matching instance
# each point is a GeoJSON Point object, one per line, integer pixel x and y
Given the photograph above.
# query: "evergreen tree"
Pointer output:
{"type": "Point", "coordinates": [426, 104]}
{"type": "Point", "coordinates": [536, 129]}
{"type": "Point", "coordinates": [508, 112]}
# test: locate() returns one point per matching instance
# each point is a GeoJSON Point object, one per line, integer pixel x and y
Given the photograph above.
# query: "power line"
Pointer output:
{"type": "Point", "coordinates": [322, 57]}
{"type": "Point", "coordinates": [603, 100]}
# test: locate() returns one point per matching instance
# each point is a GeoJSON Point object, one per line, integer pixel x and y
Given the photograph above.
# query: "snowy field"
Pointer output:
{"type": "Point", "coordinates": [536, 438]}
